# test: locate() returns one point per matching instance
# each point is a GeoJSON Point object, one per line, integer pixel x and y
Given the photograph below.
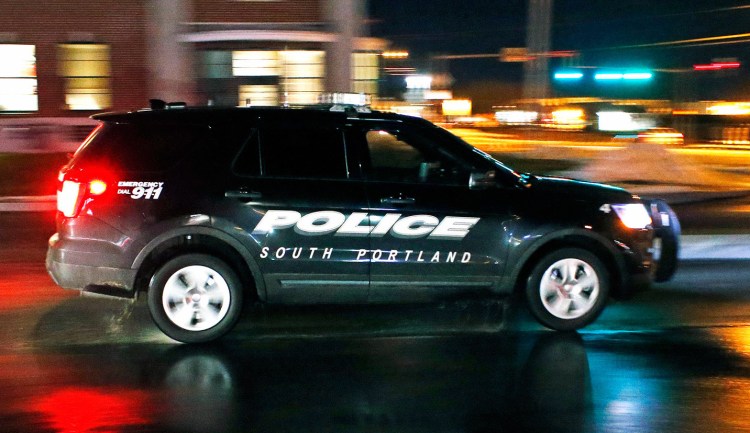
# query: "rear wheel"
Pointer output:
{"type": "Point", "coordinates": [195, 298]}
{"type": "Point", "coordinates": [568, 289]}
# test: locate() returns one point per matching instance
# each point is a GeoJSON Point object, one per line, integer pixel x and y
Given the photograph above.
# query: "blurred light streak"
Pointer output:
{"type": "Point", "coordinates": [637, 75]}
{"type": "Point", "coordinates": [516, 117]}
{"type": "Point", "coordinates": [568, 75]}
{"type": "Point", "coordinates": [684, 42]}
{"type": "Point", "coordinates": [745, 208]}
{"type": "Point", "coordinates": [608, 76]}
{"type": "Point", "coordinates": [395, 54]}
{"type": "Point", "coordinates": [729, 108]}
{"type": "Point", "coordinates": [715, 66]}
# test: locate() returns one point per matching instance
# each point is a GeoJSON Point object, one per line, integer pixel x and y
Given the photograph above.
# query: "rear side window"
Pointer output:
{"type": "Point", "coordinates": [142, 147]}
{"type": "Point", "coordinates": [305, 152]}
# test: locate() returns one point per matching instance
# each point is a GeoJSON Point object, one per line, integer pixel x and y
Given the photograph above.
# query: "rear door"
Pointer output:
{"type": "Point", "coordinates": [292, 187]}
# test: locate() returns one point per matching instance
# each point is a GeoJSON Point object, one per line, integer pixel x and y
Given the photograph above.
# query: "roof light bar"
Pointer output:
{"type": "Point", "coordinates": [353, 99]}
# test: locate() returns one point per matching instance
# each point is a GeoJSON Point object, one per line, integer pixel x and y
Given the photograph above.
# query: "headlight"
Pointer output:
{"type": "Point", "coordinates": [633, 215]}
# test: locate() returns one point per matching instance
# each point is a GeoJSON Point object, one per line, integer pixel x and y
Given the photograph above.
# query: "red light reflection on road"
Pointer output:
{"type": "Point", "coordinates": [29, 286]}
{"type": "Point", "coordinates": [83, 410]}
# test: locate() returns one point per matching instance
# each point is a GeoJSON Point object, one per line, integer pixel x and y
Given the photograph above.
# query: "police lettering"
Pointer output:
{"type": "Point", "coordinates": [362, 224]}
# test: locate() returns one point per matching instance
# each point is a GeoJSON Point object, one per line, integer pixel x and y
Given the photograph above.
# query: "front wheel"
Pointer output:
{"type": "Point", "coordinates": [195, 298]}
{"type": "Point", "coordinates": [568, 289]}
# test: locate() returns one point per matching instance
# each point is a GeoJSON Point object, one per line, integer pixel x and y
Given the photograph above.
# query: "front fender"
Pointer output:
{"type": "Point", "coordinates": [530, 248]}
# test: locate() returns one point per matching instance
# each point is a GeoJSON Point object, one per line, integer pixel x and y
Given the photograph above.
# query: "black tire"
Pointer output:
{"type": "Point", "coordinates": [195, 298]}
{"type": "Point", "coordinates": [571, 305]}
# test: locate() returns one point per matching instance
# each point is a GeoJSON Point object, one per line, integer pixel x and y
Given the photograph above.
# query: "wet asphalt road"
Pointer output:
{"type": "Point", "coordinates": [673, 359]}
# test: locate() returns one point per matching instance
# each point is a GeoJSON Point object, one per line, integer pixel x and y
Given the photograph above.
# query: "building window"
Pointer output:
{"type": "Point", "coordinates": [86, 70]}
{"type": "Point", "coordinates": [18, 82]}
{"type": "Point", "coordinates": [365, 70]}
{"type": "Point", "coordinates": [255, 63]}
{"type": "Point", "coordinates": [302, 76]}
{"type": "Point", "coordinates": [216, 64]}
{"type": "Point", "coordinates": [289, 77]}
{"type": "Point", "coordinates": [263, 95]}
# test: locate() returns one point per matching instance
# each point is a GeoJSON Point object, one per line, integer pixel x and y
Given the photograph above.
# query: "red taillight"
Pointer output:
{"type": "Point", "coordinates": [97, 187]}
{"type": "Point", "coordinates": [73, 190]}
{"type": "Point", "coordinates": [69, 198]}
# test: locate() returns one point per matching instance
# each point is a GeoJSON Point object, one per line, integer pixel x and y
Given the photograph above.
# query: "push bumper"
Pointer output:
{"type": "Point", "coordinates": [666, 239]}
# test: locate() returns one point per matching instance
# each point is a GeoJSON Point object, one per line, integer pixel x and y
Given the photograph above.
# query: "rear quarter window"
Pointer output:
{"type": "Point", "coordinates": [141, 147]}
{"type": "Point", "coordinates": [293, 151]}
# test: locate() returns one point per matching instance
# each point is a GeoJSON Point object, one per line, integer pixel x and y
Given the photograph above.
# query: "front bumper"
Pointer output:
{"type": "Point", "coordinates": [653, 259]}
{"type": "Point", "coordinates": [667, 233]}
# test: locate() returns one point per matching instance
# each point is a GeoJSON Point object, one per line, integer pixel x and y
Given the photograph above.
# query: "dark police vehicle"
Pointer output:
{"type": "Point", "coordinates": [204, 207]}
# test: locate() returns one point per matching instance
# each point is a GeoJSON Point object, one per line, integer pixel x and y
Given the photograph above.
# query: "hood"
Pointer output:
{"type": "Point", "coordinates": [576, 189]}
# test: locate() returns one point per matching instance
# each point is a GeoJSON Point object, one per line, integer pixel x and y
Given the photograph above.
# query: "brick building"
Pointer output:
{"type": "Point", "coordinates": [71, 58]}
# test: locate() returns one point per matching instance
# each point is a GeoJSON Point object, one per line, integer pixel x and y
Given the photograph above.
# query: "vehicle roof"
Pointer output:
{"type": "Point", "coordinates": [208, 115]}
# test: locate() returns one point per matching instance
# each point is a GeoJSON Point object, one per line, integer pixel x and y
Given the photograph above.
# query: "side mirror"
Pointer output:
{"type": "Point", "coordinates": [479, 180]}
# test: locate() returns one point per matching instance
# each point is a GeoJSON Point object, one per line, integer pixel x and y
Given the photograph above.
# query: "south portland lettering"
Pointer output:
{"type": "Point", "coordinates": [358, 224]}
{"type": "Point", "coordinates": [384, 256]}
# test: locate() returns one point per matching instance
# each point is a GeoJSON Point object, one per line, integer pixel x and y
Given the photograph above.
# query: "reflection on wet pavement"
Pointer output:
{"type": "Point", "coordinates": [91, 378]}
{"type": "Point", "coordinates": [455, 383]}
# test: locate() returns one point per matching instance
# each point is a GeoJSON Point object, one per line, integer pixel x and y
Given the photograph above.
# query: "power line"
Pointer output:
{"type": "Point", "coordinates": [694, 42]}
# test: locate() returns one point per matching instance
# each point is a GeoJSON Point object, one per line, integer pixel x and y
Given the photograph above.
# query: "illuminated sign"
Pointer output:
{"type": "Point", "coordinates": [457, 107]}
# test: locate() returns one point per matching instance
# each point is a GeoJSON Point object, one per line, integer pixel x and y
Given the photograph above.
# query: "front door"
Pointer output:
{"type": "Point", "coordinates": [434, 237]}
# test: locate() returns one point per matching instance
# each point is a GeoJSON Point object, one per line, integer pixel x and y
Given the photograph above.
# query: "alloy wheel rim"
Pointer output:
{"type": "Point", "coordinates": [196, 298]}
{"type": "Point", "coordinates": [569, 288]}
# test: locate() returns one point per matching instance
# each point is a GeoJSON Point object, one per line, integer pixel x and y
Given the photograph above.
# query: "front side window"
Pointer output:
{"type": "Point", "coordinates": [86, 71]}
{"type": "Point", "coordinates": [18, 82]}
{"type": "Point", "coordinates": [396, 156]}
{"type": "Point", "coordinates": [302, 152]}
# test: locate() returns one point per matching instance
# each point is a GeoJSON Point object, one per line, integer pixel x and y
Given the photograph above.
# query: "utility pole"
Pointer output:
{"type": "Point", "coordinates": [538, 35]}
{"type": "Point", "coordinates": [346, 20]}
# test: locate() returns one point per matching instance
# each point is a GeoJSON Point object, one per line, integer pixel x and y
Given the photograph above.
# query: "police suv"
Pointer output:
{"type": "Point", "coordinates": [201, 208]}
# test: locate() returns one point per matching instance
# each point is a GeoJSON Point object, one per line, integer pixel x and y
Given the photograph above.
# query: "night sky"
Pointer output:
{"type": "Point", "coordinates": [603, 31]}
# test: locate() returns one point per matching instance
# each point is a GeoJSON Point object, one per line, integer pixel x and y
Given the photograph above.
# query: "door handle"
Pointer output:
{"type": "Point", "coordinates": [397, 201]}
{"type": "Point", "coordinates": [243, 194]}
